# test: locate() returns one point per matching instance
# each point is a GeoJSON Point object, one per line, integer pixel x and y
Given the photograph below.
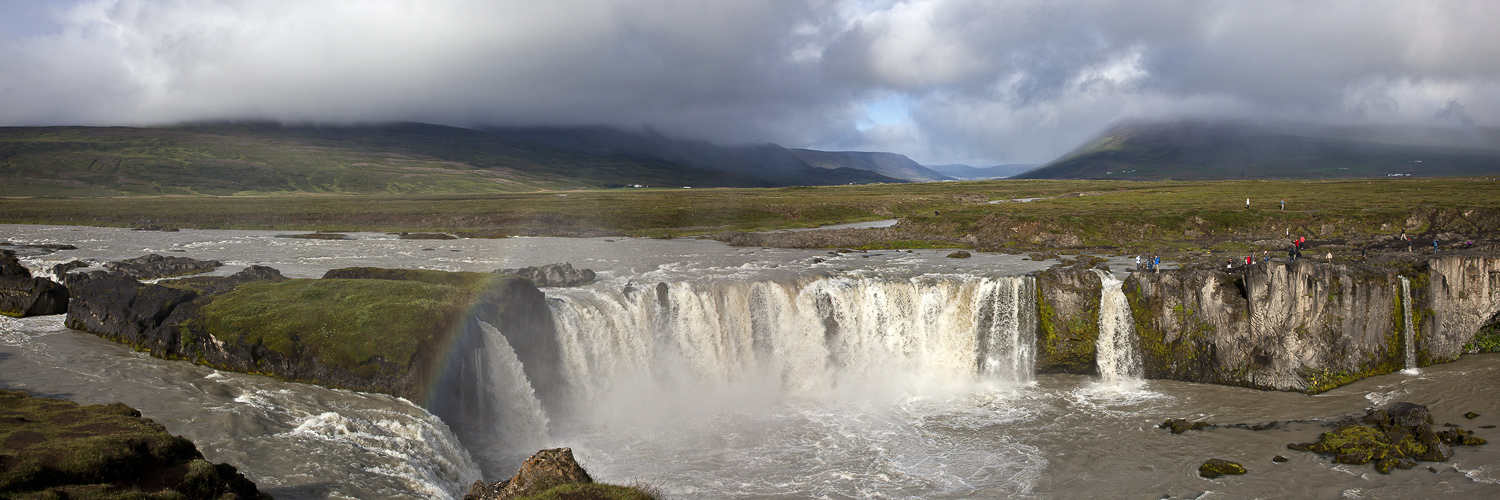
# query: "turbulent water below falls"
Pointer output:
{"type": "Point", "coordinates": [752, 373]}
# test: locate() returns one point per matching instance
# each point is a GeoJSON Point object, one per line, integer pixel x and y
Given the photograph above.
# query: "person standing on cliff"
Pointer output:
{"type": "Point", "coordinates": [1283, 204]}
{"type": "Point", "coordinates": [1247, 203]}
{"type": "Point", "coordinates": [1137, 262]}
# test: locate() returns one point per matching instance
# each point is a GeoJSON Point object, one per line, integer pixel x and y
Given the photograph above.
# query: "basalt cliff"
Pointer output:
{"type": "Point", "coordinates": [1302, 326]}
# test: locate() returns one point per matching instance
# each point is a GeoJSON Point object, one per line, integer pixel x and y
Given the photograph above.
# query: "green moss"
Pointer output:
{"type": "Point", "coordinates": [1216, 467]}
{"type": "Point", "coordinates": [1486, 340]}
{"type": "Point", "coordinates": [60, 449]}
{"type": "Point", "coordinates": [593, 491]}
{"type": "Point", "coordinates": [351, 323]}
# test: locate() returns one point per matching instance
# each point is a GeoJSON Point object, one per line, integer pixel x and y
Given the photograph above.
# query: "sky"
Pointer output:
{"type": "Point", "coordinates": [942, 81]}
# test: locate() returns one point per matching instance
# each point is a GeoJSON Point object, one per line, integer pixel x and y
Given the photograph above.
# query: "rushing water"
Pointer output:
{"type": "Point", "coordinates": [717, 372]}
{"type": "Point", "coordinates": [1119, 364]}
{"type": "Point", "coordinates": [1408, 334]}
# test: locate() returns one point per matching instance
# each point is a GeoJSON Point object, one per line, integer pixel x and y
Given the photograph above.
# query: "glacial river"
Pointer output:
{"type": "Point", "coordinates": [743, 373]}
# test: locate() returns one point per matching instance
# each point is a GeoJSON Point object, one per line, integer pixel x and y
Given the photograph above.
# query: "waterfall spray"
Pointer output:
{"type": "Point", "coordinates": [1408, 334]}
{"type": "Point", "coordinates": [1115, 349]}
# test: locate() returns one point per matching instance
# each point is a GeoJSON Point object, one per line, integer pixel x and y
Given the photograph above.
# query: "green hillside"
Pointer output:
{"type": "Point", "coordinates": [226, 159]}
{"type": "Point", "coordinates": [1219, 151]}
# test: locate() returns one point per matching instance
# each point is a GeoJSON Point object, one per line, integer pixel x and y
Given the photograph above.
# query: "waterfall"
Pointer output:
{"type": "Point", "coordinates": [1408, 334]}
{"type": "Point", "coordinates": [808, 337]}
{"type": "Point", "coordinates": [494, 410]}
{"type": "Point", "coordinates": [1115, 349]}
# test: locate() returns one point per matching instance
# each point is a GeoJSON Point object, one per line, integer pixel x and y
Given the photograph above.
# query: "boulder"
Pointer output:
{"type": "Point", "coordinates": [1180, 425]}
{"type": "Point", "coordinates": [544, 470]}
{"type": "Point", "coordinates": [961, 254]}
{"type": "Point", "coordinates": [1396, 437]}
{"type": "Point", "coordinates": [11, 266]}
{"type": "Point", "coordinates": [553, 275]}
{"type": "Point", "coordinates": [156, 266]}
{"type": "Point", "coordinates": [1215, 467]}
{"type": "Point", "coordinates": [21, 295]}
{"type": "Point", "coordinates": [62, 269]}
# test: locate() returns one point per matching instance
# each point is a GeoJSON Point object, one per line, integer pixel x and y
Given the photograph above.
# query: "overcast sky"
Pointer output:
{"type": "Point", "coordinates": [942, 81]}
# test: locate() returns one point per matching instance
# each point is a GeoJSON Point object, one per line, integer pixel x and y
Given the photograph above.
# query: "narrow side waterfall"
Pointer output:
{"type": "Point", "coordinates": [1115, 348]}
{"type": "Point", "coordinates": [490, 403]}
{"type": "Point", "coordinates": [1408, 334]}
{"type": "Point", "coordinates": [809, 337]}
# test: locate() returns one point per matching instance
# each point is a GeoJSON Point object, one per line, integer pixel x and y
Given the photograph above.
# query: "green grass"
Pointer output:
{"type": "Point", "coordinates": [1140, 215]}
{"type": "Point", "coordinates": [351, 323]}
{"type": "Point", "coordinates": [60, 449]}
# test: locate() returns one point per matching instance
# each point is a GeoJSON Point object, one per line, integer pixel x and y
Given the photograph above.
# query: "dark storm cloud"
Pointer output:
{"type": "Point", "coordinates": [979, 81]}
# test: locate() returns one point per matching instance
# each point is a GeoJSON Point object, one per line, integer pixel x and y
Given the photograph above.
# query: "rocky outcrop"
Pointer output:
{"type": "Point", "coordinates": [1067, 320]}
{"type": "Point", "coordinates": [1462, 295]}
{"type": "Point", "coordinates": [120, 308]}
{"type": "Point", "coordinates": [22, 295]}
{"type": "Point", "coordinates": [543, 471]}
{"type": "Point", "coordinates": [60, 449]}
{"type": "Point", "coordinates": [155, 266]}
{"type": "Point", "coordinates": [1396, 437]}
{"type": "Point", "coordinates": [553, 275]}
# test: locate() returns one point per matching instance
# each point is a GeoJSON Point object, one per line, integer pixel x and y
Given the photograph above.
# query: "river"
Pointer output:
{"type": "Point", "coordinates": [719, 372]}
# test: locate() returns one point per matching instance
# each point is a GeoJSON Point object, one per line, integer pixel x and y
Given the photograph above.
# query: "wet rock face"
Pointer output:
{"type": "Point", "coordinates": [1461, 296]}
{"type": "Point", "coordinates": [544, 470]}
{"type": "Point", "coordinates": [1396, 437]}
{"type": "Point", "coordinates": [22, 295]}
{"type": "Point", "coordinates": [553, 275]}
{"type": "Point", "coordinates": [155, 266]}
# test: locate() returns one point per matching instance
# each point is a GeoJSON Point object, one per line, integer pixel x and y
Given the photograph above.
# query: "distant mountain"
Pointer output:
{"type": "Point", "coordinates": [1225, 150]}
{"type": "Point", "coordinates": [887, 164]}
{"type": "Point", "coordinates": [229, 158]}
{"type": "Point", "coordinates": [770, 162]}
{"type": "Point", "coordinates": [968, 173]}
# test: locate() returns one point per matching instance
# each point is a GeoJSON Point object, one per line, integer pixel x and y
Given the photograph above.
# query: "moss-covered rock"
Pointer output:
{"type": "Point", "coordinates": [553, 474]}
{"type": "Point", "coordinates": [1396, 437]}
{"type": "Point", "coordinates": [1215, 467]}
{"type": "Point", "coordinates": [60, 449]}
{"type": "Point", "coordinates": [1067, 321]}
{"type": "Point", "coordinates": [1180, 425]}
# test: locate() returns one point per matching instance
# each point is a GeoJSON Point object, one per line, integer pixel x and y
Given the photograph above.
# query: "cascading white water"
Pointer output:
{"type": "Point", "coordinates": [1115, 348]}
{"type": "Point", "coordinates": [800, 338]}
{"type": "Point", "coordinates": [520, 427]}
{"type": "Point", "coordinates": [1408, 334]}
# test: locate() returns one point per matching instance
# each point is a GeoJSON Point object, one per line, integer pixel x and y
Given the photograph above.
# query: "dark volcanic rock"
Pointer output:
{"type": "Point", "coordinates": [11, 266]}
{"type": "Point", "coordinates": [60, 449]}
{"type": "Point", "coordinates": [316, 236]}
{"type": "Point", "coordinates": [552, 275]}
{"type": "Point", "coordinates": [214, 285]}
{"type": "Point", "coordinates": [1215, 467]}
{"type": "Point", "coordinates": [961, 254]}
{"type": "Point", "coordinates": [544, 470]}
{"type": "Point", "coordinates": [1394, 438]}
{"type": "Point", "coordinates": [1179, 425]}
{"type": "Point", "coordinates": [155, 266]}
{"type": "Point", "coordinates": [120, 308]}
{"type": "Point", "coordinates": [63, 269]}
{"type": "Point", "coordinates": [427, 236]}
{"type": "Point", "coordinates": [22, 295]}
